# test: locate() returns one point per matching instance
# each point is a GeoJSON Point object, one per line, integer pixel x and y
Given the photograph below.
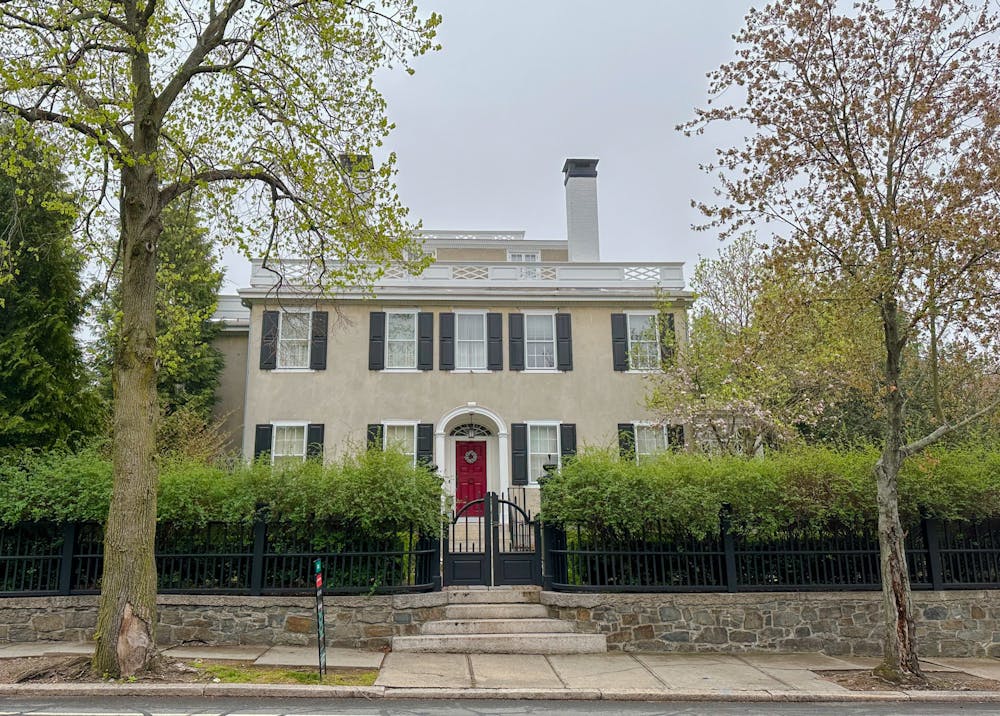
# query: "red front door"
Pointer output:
{"type": "Point", "coordinates": [470, 475]}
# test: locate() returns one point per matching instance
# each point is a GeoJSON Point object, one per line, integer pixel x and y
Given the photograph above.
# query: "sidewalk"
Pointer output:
{"type": "Point", "coordinates": [612, 676]}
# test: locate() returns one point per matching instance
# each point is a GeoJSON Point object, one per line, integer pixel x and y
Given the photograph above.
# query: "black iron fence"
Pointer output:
{"type": "Point", "coordinates": [940, 555]}
{"type": "Point", "coordinates": [258, 558]}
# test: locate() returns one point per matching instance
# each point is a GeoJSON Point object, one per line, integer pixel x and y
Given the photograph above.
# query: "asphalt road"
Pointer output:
{"type": "Point", "coordinates": [384, 707]}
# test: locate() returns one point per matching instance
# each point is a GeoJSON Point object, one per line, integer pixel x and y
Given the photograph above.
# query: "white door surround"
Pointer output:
{"type": "Point", "coordinates": [498, 445]}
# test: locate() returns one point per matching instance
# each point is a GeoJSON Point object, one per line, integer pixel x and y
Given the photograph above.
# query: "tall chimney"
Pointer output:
{"type": "Point", "coordinates": [581, 209]}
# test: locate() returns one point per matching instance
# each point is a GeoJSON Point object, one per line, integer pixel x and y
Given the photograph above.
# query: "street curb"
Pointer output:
{"type": "Point", "coordinates": [391, 692]}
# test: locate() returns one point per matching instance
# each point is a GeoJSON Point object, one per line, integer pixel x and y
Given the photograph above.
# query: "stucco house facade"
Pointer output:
{"type": "Point", "coordinates": [504, 355]}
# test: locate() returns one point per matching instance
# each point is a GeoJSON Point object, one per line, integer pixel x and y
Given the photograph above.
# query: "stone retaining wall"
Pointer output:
{"type": "Point", "coordinates": [953, 623]}
{"type": "Point", "coordinates": [360, 622]}
{"type": "Point", "coordinates": [956, 623]}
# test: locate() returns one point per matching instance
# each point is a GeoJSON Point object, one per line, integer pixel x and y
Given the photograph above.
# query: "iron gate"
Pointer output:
{"type": "Point", "coordinates": [501, 547]}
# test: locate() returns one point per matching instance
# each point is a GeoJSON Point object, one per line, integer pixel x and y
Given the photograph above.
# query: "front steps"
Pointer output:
{"type": "Point", "coordinates": [502, 620]}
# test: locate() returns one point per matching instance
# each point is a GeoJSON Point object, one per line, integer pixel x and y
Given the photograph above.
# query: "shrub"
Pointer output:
{"type": "Point", "coordinates": [372, 493]}
{"type": "Point", "coordinates": [810, 490]}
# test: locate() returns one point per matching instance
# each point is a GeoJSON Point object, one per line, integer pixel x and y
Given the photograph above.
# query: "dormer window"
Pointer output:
{"type": "Point", "coordinates": [523, 257]}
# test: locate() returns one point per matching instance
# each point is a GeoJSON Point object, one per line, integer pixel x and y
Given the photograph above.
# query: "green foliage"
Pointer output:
{"type": "Point", "coordinates": [188, 280]}
{"type": "Point", "coordinates": [375, 493]}
{"type": "Point", "coordinates": [45, 397]}
{"type": "Point", "coordinates": [808, 489]}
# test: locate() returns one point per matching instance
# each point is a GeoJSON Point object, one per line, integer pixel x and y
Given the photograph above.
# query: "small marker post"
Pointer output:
{"type": "Point", "coordinates": [320, 620]}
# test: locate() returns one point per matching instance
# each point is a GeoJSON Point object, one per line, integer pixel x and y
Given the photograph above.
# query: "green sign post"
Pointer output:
{"type": "Point", "coordinates": [320, 620]}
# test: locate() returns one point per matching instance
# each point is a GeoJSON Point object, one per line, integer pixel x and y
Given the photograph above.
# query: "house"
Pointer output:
{"type": "Point", "coordinates": [503, 356]}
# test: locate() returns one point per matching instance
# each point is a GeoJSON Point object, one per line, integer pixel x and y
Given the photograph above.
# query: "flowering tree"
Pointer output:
{"type": "Point", "coordinates": [249, 105]}
{"type": "Point", "coordinates": [873, 147]}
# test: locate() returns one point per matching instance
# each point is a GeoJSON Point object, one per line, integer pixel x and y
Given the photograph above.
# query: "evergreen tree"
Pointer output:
{"type": "Point", "coordinates": [45, 396]}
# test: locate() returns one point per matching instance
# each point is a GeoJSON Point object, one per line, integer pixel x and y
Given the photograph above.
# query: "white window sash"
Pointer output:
{"type": "Point", "coordinates": [297, 346]}
{"type": "Point", "coordinates": [538, 458]}
{"type": "Point", "coordinates": [470, 353]}
{"type": "Point", "coordinates": [406, 355]}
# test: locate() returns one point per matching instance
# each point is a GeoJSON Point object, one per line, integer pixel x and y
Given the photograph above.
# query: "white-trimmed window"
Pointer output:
{"type": "Point", "coordinates": [652, 439]}
{"type": "Point", "coordinates": [401, 436]}
{"type": "Point", "coordinates": [289, 443]}
{"type": "Point", "coordinates": [401, 339]}
{"type": "Point", "coordinates": [543, 448]}
{"type": "Point", "coordinates": [539, 341]}
{"type": "Point", "coordinates": [643, 342]}
{"type": "Point", "coordinates": [526, 257]}
{"type": "Point", "coordinates": [294, 332]}
{"type": "Point", "coordinates": [470, 341]}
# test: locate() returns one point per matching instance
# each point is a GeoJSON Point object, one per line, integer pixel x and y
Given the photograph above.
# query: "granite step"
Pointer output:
{"type": "Point", "coordinates": [500, 595]}
{"type": "Point", "coordinates": [497, 626]}
{"type": "Point", "coordinates": [496, 611]}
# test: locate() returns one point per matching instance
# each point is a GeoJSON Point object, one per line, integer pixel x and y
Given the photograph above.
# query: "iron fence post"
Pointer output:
{"type": "Point", "coordinates": [548, 536]}
{"type": "Point", "coordinates": [257, 562]}
{"type": "Point", "coordinates": [435, 558]}
{"type": "Point", "coordinates": [932, 538]}
{"type": "Point", "coordinates": [729, 548]}
{"type": "Point", "coordinates": [66, 562]}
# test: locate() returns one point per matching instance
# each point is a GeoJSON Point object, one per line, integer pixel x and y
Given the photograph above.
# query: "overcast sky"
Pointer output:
{"type": "Point", "coordinates": [484, 125]}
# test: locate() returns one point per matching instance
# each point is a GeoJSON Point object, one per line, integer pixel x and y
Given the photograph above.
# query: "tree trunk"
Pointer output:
{"type": "Point", "coordinates": [900, 662]}
{"type": "Point", "coordinates": [126, 621]}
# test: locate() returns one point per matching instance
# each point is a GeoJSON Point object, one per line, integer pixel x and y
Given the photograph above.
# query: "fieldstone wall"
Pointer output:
{"type": "Point", "coordinates": [953, 623]}
{"type": "Point", "coordinates": [359, 622]}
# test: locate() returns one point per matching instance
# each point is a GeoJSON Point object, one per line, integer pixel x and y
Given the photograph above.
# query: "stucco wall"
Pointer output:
{"type": "Point", "coordinates": [232, 385]}
{"type": "Point", "coordinates": [348, 396]}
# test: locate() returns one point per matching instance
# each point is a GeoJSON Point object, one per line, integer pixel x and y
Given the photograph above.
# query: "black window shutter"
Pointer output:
{"type": "Point", "coordinates": [519, 453]}
{"type": "Point", "coordinates": [567, 440]}
{"type": "Point", "coordinates": [446, 349]}
{"type": "Point", "coordinates": [626, 441]}
{"type": "Point", "coordinates": [262, 440]}
{"type": "Point", "coordinates": [564, 342]}
{"type": "Point", "coordinates": [376, 340]}
{"type": "Point", "coordinates": [675, 437]}
{"type": "Point", "coordinates": [619, 340]}
{"type": "Point", "coordinates": [314, 440]}
{"type": "Point", "coordinates": [494, 341]}
{"type": "Point", "coordinates": [269, 341]}
{"type": "Point", "coordinates": [374, 437]}
{"type": "Point", "coordinates": [668, 338]}
{"type": "Point", "coordinates": [425, 443]}
{"type": "Point", "coordinates": [317, 351]}
{"type": "Point", "coordinates": [425, 341]}
{"type": "Point", "coordinates": [516, 321]}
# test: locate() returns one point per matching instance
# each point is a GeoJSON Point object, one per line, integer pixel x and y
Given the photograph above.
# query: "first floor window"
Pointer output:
{"type": "Point", "coordinates": [401, 340]}
{"type": "Point", "coordinates": [470, 341]}
{"type": "Point", "coordinates": [543, 449]}
{"type": "Point", "coordinates": [539, 341]}
{"type": "Point", "coordinates": [401, 437]}
{"type": "Point", "coordinates": [643, 342]}
{"type": "Point", "coordinates": [653, 439]}
{"type": "Point", "coordinates": [289, 444]}
{"type": "Point", "coordinates": [293, 339]}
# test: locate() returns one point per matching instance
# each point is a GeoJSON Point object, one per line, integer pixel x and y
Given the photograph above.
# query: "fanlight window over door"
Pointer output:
{"type": "Point", "coordinates": [471, 430]}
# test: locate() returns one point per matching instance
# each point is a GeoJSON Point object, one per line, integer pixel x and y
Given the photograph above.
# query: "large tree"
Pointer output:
{"type": "Point", "coordinates": [45, 394]}
{"type": "Point", "coordinates": [251, 104]}
{"type": "Point", "coordinates": [872, 148]}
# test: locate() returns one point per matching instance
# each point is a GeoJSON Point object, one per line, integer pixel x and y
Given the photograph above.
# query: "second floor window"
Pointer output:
{"type": "Point", "coordinates": [539, 341]}
{"type": "Point", "coordinates": [401, 340]}
{"type": "Point", "coordinates": [470, 341]}
{"type": "Point", "coordinates": [643, 342]}
{"type": "Point", "coordinates": [293, 339]}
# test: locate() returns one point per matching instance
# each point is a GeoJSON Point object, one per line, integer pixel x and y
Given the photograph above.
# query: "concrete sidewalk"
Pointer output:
{"type": "Point", "coordinates": [612, 676]}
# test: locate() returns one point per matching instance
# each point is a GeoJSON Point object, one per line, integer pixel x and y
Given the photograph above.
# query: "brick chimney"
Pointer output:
{"type": "Point", "coordinates": [581, 209]}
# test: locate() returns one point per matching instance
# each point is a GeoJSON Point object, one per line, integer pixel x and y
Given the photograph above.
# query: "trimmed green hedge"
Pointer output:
{"type": "Point", "coordinates": [376, 492]}
{"type": "Point", "coordinates": [812, 490]}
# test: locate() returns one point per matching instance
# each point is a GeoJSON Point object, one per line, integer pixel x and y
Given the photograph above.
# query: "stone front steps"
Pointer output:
{"type": "Point", "coordinates": [503, 620]}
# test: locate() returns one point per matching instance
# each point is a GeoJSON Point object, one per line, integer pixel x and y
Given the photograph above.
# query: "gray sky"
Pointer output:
{"type": "Point", "coordinates": [484, 125]}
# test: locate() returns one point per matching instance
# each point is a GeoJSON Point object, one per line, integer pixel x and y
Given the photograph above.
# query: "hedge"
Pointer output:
{"type": "Point", "coordinates": [810, 490]}
{"type": "Point", "coordinates": [374, 492]}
